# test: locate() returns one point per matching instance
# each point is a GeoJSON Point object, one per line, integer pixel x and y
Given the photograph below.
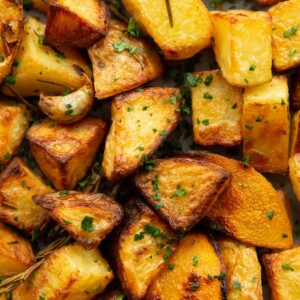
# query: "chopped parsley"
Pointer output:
{"type": "Point", "coordinates": [173, 99]}
{"type": "Point", "coordinates": [87, 224]}
{"type": "Point", "coordinates": [205, 122]}
{"type": "Point", "coordinates": [69, 109]}
{"type": "Point", "coordinates": [133, 28]}
{"type": "Point", "coordinates": [163, 132]}
{"type": "Point", "coordinates": [168, 254]}
{"type": "Point", "coordinates": [130, 108]}
{"type": "Point", "coordinates": [291, 31]}
{"type": "Point", "coordinates": [246, 159]}
{"type": "Point", "coordinates": [64, 222]}
{"type": "Point", "coordinates": [194, 286]}
{"type": "Point", "coordinates": [258, 119]}
{"type": "Point", "coordinates": [179, 191]}
{"type": "Point", "coordinates": [141, 148]}
{"type": "Point", "coordinates": [9, 80]}
{"type": "Point", "coordinates": [236, 285]}
{"type": "Point", "coordinates": [207, 96]}
{"type": "Point", "coordinates": [234, 106]}
{"type": "Point", "coordinates": [292, 52]}
{"type": "Point", "coordinates": [139, 236]}
{"type": "Point", "coordinates": [121, 45]}
{"type": "Point", "coordinates": [208, 80]}
{"type": "Point", "coordinates": [195, 260]}
{"type": "Point", "coordinates": [249, 127]}
{"type": "Point", "coordinates": [287, 267]}
{"type": "Point", "coordinates": [2, 58]}
{"type": "Point", "coordinates": [7, 156]}
{"type": "Point", "coordinates": [194, 80]}
{"type": "Point", "coordinates": [171, 267]}
{"type": "Point", "coordinates": [159, 205]}
{"type": "Point", "coordinates": [252, 68]}
{"type": "Point", "coordinates": [284, 236]}
{"type": "Point", "coordinates": [64, 193]}
{"type": "Point", "coordinates": [270, 214]}
{"type": "Point", "coordinates": [148, 164]}
{"type": "Point", "coordinates": [283, 102]}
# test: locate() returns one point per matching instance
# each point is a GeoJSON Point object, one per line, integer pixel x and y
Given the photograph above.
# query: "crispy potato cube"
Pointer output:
{"type": "Point", "coordinates": [234, 32]}
{"type": "Point", "coordinates": [243, 271]}
{"type": "Point", "coordinates": [148, 116]}
{"type": "Point", "coordinates": [282, 271]}
{"type": "Point", "coordinates": [294, 173]}
{"type": "Point", "coordinates": [285, 37]}
{"type": "Point", "coordinates": [217, 111]}
{"type": "Point", "coordinates": [11, 16]}
{"type": "Point", "coordinates": [41, 5]}
{"type": "Point", "coordinates": [16, 254]}
{"type": "Point", "coordinates": [295, 134]}
{"type": "Point", "coordinates": [41, 68]}
{"type": "Point", "coordinates": [194, 272]}
{"type": "Point", "coordinates": [70, 273]}
{"type": "Point", "coordinates": [183, 191]}
{"type": "Point", "coordinates": [87, 217]}
{"type": "Point", "coordinates": [14, 121]}
{"type": "Point", "coordinates": [250, 209]}
{"type": "Point", "coordinates": [181, 36]}
{"type": "Point", "coordinates": [121, 63]}
{"type": "Point", "coordinates": [296, 90]}
{"type": "Point", "coordinates": [66, 152]}
{"type": "Point", "coordinates": [75, 23]}
{"type": "Point", "coordinates": [142, 247]}
{"type": "Point", "coordinates": [266, 126]}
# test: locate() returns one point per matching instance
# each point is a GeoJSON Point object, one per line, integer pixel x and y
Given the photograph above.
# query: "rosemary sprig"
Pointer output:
{"type": "Point", "coordinates": [169, 10]}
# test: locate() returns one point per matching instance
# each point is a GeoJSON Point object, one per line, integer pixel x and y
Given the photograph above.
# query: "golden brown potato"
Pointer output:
{"type": "Point", "coordinates": [294, 173]}
{"type": "Point", "coordinates": [148, 117]}
{"type": "Point", "coordinates": [11, 27]}
{"type": "Point", "coordinates": [183, 191]}
{"type": "Point", "coordinates": [17, 186]}
{"type": "Point", "coordinates": [41, 5]}
{"type": "Point", "coordinates": [122, 62]}
{"type": "Point", "coordinates": [66, 152]}
{"type": "Point", "coordinates": [87, 217]}
{"type": "Point", "coordinates": [14, 121]}
{"type": "Point", "coordinates": [16, 254]}
{"type": "Point", "coordinates": [266, 126]}
{"type": "Point", "coordinates": [76, 23]}
{"type": "Point", "coordinates": [243, 271]}
{"type": "Point", "coordinates": [295, 134]}
{"type": "Point", "coordinates": [70, 273]}
{"type": "Point", "coordinates": [195, 271]}
{"type": "Point", "coordinates": [283, 273]}
{"type": "Point", "coordinates": [43, 69]}
{"type": "Point", "coordinates": [234, 31]}
{"type": "Point", "coordinates": [217, 110]}
{"type": "Point", "coordinates": [285, 38]}
{"type": "Point", "coordinates": [296, 90]}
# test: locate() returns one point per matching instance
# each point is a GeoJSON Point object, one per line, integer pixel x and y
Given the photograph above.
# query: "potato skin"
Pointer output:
{"type": "Point", "coordinates": [41, 5]}
{"type": "Point", "coordinates": [294, 168]}
{"type": "Point", "coordinates": [295, 134]}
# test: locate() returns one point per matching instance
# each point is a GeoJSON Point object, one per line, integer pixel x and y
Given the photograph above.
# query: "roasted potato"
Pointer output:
{"type": "Point", "coordinates": [282, 271]}
{"type": "Point", "coordinates": [41, 5]}
{"type": "Point", "coordinates": [14, 121]}
{"type": "Point", "coordinates": [295, 134]}
{"type": "Point", "coordinates": [87, 217]}
{"type": "Point", "coordinates": [234, 31]}
{"type": "Point", "coordinates": [16, 254]}
{"type": "Point", "coordinates": [148, 116]}
{"type": "Point", "coordinates": [11, 27]}
{"type": "Point", "coordinates": [217, 110]}
{"type": "Point", "coordinates": [141, 248]}
{"type": "Point", "coordinates": [183, 191]}
{"type": "Point", "coordinates": [243, 271]}
{"type": "Point", "coordinates": [66, 152]}
{"type": "Point", "coordinates": [294, 173]}
{"type": "Point", "coordinates": [70, 273]}
{"type": "Point", "coordinates": [75, 23]}
{"type": "Point", "coordinates": [266, 126]}
{"type": "Point", "coordinates": [43, 69]}
{"type": "Point", "coordinates": [122, 62]}
{"type": "Point", "coordinates": [296, 90]}
{"type": "Point", "coordinates": [195, 271]}
{"type": "Point", "coordinates": [17, 186]}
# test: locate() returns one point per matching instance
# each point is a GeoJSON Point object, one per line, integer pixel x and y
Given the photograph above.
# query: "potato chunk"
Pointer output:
{"type": "Point", "coordinates": [194, 272]}
{"type": "Point", "coordinates": [266, 126]}
{"type": "Point", "coordinates": [285, 35]}
{"type": "Point", "coordinates": [41, 68]}
{"type": "Point", "coordinates": [16, 254]}
{"type": "Point", "coordinates": [41, 5]}
{"type": "Point", "coordinates": [14, 121]}
{"type": "Point", "coordinates": [75, 23]}
{"type": "Point", "coordinates": [142, 247]}
{"type": "Point", "coordinates": [295, 135]}
{"type": "Point", "coordinates": [181, 35]}
{"type": "Point", "coordinates": [183, 190]}
{"type": "Point", "coordinates": [242, 46]}
{"type": "Point", "coordinates": [87, 217]}
{"type": "Point", "coordinates": [243, 271]}
{"type": "Point", "coordinates": [217, 110]}
{"type": "Point", "coordinates": [294, 173]}
{"type": "Point", "coordinates": [66, 152]}
{"type": "Point", "coordinates": [283, 273]}
{"type": "Point", "coordinates": [121, 62]}
{"type": "Point", "coordinates": [148, 117]}
{"type": "Point", "coordinates": [70, 273]}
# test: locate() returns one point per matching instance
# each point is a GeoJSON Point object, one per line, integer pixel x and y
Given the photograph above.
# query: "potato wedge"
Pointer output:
{"type": "Point", "coordinates": [41, 5]}
{"type": "Point", "coordinates": [16, 254]}
{"type": "Point", "coordinates": [121, 63]}
{"type": "Point", "coordinates": [217, 110]}
{"type": "Point", "coordinates": [243, 271]}
{"type": "Point", "coordinates": [43, 69]}
{"type": "Point", "coordinates": [295, 134]}
{"type": "Point", "coordinates": [296, 90]}
{"type": "Point", "coordinates": [14, 121]}
{"type": "Point", "coordinates": [76, 23]}
{"type": "Point", "coordinates": [195, 271]}
{"type": "Point", "coordinates": [294, 173]}
{"type": "Point", "coordinates": [234, 31]}
{"type": "Point", "coordinates": [17, 186]}
{"type": "Point", "coordinates": [142, 247]}
{"type": "Point", "coordinates": [148, 116]}
{"type": "Point", "coordinates": [11, 27]}
{"type": "Point", "coordinates": [66, 152]}
{"type": "Point", "coordinates": [87, 217]}
{"type": "Point", "coordinates": [266, 126]}
{"type": "Point", "coordinates": [70, 273]}
{"type": "Point", "coordinates": [183, 191]}
{"type": "Point", "coordinates": [283, 273]}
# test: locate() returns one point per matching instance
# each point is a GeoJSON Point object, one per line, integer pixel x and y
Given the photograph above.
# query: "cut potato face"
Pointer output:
{"type": "Point", "coordinates": [87, 217]}
{"type": "Point", "coordinates": [294, 173]}
{"type": "Point", "coordinates": [183, 191]}
{"type": "Point", "coordinates": [121, 62]}
{"type": "Point", "coordinates": [295, 135]}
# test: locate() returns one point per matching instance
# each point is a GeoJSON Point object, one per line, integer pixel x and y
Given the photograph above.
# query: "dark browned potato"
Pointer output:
{"type": "Point", "coordinates": [296, 90]}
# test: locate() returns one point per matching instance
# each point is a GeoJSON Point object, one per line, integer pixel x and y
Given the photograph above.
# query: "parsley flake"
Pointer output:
{"type": "Point", "coordinates": [87, 224]}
